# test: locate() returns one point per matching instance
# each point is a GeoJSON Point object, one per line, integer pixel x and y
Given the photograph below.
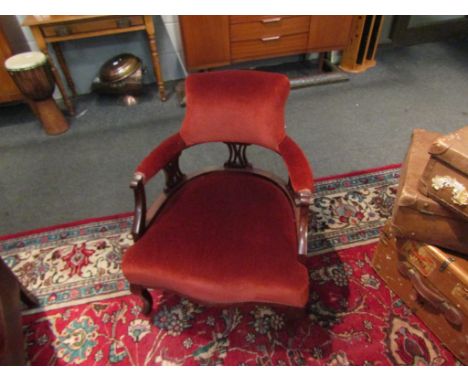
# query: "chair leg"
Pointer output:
{"type": "Point", "coordinates": [294, 317]}
{"type": "Point", "coordinates": [145, 296]}
{"type": "Point", "coordinates": [28, 298]}
{"type": "Point", "coordinates": [296, 314]}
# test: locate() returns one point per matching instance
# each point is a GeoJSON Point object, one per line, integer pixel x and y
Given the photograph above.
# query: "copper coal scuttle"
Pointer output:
{"type": "Point", "coordinates": [122, 75]}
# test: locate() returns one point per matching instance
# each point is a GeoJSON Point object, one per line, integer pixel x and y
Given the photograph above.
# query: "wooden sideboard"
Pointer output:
{"type": "Point", "coordinates": [214, 41]}
{"type": "Point", "coordinates": [8, 90]}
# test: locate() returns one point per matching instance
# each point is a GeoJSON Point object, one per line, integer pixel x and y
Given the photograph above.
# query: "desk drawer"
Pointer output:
{"type": "Point", "coordinates": [270, 46]}
{"type": "Point", "coordinates": [88, 26]}
{"type": "Point", "coordinates": [269, 26]}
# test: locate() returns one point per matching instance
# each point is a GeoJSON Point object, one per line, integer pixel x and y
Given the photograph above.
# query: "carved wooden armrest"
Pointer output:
{"type": "Point", "coordinates": [174, 177]}
{"type": "Point", "coordinates": [303, 199]}
{"type": "Point", "coordinates": [139, 221]}
{"type": "Point", "coordinates": [164, 157]}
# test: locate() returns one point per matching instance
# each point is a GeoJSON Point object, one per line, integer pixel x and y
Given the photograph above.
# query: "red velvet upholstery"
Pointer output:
{"type": "Point", "coordinates": [300, 173]}
{"type": "Point", "coordinates": [160, 156]}
{"type": "Point", "coordinates": [235, 106]}
{"type": "Point", "coordinates": [224, 237]}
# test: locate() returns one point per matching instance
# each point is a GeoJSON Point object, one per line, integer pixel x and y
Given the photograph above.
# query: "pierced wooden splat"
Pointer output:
{"type": "Point", "coordinates": [173, 173]}
{"type": "Point", "coordinates": [237, 156]}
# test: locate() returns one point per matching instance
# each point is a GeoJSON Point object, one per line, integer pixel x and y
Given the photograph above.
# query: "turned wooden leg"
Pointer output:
{"type": "Point", "coordinates": [150, 31]}
{"type": "Point", "coordinates": [180, 92]}
{"type": "Point", "coordinates": [28, 298]}
{"type": "Point", "coordinates": [295, 314]}
{"type": "Point", "coordinates": [41, 43]}
{"type": "Point", "coordinates": [294, 319]}
{"type": "Point", "coordinates": [321, 61]}
{"type": "Point", "coordinates": [145, 296]}
{"type": "Point", "coordinates": [64, 67]}
{"type": "Point", "coordinates": [58, 81]}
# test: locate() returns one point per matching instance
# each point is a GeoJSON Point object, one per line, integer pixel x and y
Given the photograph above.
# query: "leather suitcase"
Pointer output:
{"type": "Point", "coordinates": [431, 282]}
{"type": "Point", "coordinates": [418, 217]}
{"type": "Point", "coordinates": [445, 178]}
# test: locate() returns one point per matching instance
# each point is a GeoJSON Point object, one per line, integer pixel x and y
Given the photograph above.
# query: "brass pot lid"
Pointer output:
{"type": "Point", "coordinates": [119, 67]}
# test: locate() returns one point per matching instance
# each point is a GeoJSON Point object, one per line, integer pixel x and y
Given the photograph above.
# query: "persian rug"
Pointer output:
{"type": "Point", "coordinates": [88, 317]}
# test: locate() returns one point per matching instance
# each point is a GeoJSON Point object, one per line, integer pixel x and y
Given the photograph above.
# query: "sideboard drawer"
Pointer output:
{"type": "Point", "coordinates": [269, 47]}
{"type": "Point", "coordinates": [269, 26]}
{"type": "Point", "coordinates": [249, 19]}
{"type": "Point", "coordinates": [86, 26]}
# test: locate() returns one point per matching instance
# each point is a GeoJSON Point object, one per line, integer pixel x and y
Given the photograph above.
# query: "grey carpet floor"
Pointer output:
{"type": "Point", "coordinates": [365, 122]}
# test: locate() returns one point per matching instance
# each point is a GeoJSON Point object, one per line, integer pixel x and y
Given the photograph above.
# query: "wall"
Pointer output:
{"type": "Point", "coordinates": [386, 29]}
{"type": "Point", "coordinates": [85, 57]}
{"type": "Point", "coordinates": [417, 21]}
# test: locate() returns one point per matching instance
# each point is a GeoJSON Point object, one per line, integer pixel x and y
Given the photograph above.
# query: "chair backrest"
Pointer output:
{"type": "Point", "coordinates": [240, 106]}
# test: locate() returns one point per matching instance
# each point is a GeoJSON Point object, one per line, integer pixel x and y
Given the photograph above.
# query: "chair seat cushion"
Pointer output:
{"type": "Point", "coordinates": [223, 237]}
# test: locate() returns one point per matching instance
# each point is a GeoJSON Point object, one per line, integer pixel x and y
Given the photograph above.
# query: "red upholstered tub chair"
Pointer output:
{"type": "Point", "coordinates": [232, 234]}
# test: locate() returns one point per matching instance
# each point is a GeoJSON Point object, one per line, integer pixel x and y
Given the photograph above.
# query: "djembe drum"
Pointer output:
{"type": "Point", "coordinates": [31, 73]}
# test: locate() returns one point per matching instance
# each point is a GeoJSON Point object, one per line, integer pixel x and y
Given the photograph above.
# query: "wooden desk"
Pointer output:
{"type": "Point", "coordinates": [56, 29]}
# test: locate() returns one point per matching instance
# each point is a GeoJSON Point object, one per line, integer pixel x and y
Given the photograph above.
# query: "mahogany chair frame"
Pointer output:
{"type": "Point", "coordinates": [175, 179]}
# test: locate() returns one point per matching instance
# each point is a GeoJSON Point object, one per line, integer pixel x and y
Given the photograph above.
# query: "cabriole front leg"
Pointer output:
{"type": "Point", "coordinates": [145, 296]}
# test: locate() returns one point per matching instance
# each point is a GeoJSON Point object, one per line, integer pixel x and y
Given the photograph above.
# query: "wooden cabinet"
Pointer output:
{"type": "Point", "coordinates": [206, 41]}
{"type": "Point", "coordinates": [213, 41]}
{"type": "Point", "coordinates": [8, 90]}
{"type": "Point", "coordinates": [329, 32]}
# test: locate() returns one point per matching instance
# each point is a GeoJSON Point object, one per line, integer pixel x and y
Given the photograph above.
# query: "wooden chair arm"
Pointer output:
{"type": "Point", "coordinates": [174, 177]}
{"type": "Point", "coordinates": [164, 157]}
{"type": "Point", "coordinates": [159, 158]}
{"type": "Point", "coordinates": [139, 220]}
{"type": "Point", "coordinates": [303, 200]}
{"type": "Point", "coordinates": [299, 170]}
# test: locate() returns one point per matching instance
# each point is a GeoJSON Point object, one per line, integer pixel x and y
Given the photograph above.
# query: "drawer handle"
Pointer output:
{"type": "Point", "coordinates": [271, 20]}
{"type": "Point", "coordinates": [62, 30]}
{"type": "Point", "coordinates": [272, 38]}
{"type": "Point", "coordinates": [124, 23]}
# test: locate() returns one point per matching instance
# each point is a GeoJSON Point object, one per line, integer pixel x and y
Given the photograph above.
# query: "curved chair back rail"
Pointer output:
{"type": "Point", "coordinates": [237, 161]}
{"type": "Point", "coordinates": [299, 171]}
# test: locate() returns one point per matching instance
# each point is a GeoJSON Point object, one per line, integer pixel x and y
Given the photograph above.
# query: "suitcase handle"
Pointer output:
{"type": "Point", "coordinates": [451, 313]}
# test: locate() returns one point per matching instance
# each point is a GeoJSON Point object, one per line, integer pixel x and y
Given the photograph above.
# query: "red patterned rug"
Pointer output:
{"type": "Point", "coordinates": [88, 317]}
